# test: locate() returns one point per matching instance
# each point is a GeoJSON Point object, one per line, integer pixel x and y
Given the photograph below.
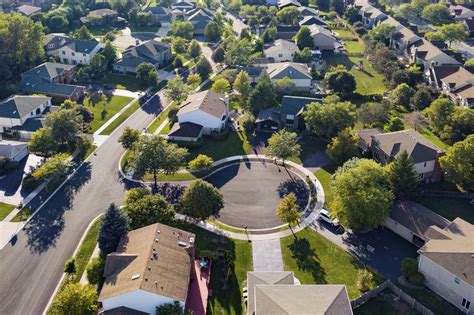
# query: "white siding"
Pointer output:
{"type": "Point", "coordinates": [67, 55]}
{"type": "Point", "coordinates": [444, 283]}
{"type": "Point", "coordinates": [202, 118]}
{"type": "Point", "coordinates": [399, 229]}
{"type": "Point", "coordinates": [422, 168]}
{"type": "Point", "coordinates": [138, 300]}
{"type": "Point", "coordinates": [281, 55]}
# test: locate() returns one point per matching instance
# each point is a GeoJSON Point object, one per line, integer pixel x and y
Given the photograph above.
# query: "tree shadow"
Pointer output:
{"type": "Point", "coordinates": [298, 187]}
{"type": "Point", "coordinates": [307, 260]}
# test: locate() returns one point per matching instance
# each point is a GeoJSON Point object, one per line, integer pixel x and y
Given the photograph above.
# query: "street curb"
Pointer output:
{"type": "Point", "coordinates": [61, 281]}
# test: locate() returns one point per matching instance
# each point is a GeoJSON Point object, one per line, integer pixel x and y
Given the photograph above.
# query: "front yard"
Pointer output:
{"type": "Point", "coordinates": [316, 260]}
{"type": "Point", "coordinates": [118, 81]}
{"type": "Point", "coordinates": [102, 113]}
{"type": "Point", "coordinates": [5, 210]}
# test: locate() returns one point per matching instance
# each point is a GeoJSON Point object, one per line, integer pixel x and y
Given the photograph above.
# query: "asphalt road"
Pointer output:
{"type": "Point", "coordinates": [32, 264]}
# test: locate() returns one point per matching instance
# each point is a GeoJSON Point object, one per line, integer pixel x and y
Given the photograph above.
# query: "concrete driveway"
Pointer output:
{"type": "Point", "coordinates": [266, 255]}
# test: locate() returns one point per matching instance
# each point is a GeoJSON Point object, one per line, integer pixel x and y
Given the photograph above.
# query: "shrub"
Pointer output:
{"type": "Point", "coordinates": [30, 183]}
{"type": "Point", "coordinates": [409, 267]}
{"type": "Point", "coordinates": [200, 162]}
{"type": "Point", "coordinates": [173, 112]}
{"type": "Point", "coordinates": [417, 278]}
{"type": "Point", "coordinates": [248, 122]}
{"type": "Point", "coordinates": [95, 270]}
{"type": "Point", "coordinates": [364, 280]}
{"type": "Point", "coordinates": [172, 193]}
{"type": "Point", "coordinates": [70, 266]}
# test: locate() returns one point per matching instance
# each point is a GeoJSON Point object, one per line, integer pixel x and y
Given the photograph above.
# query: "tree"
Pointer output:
{"type": "Point", "coordinates": [200, 162]}
{"type": "Point", "coordinates": [403, 177]}
{"type": "Point", "coordinates": [469, 63]}
{"type": "Point", "coordinates": [70, 267]}
{"type": "Point", "coordinates": [458, 163]}
{"type": "Point", "coordinates": [194, 49]}
{"type": "Point", "coordinates": [212, 31]}
{"type": "Point", "coordinates": [154, 154]}
{"type": "Point", "coordinates": [453, 32]}
{"type": "Point", "coordinates": [394, 124]}
{"type": "Point", "coordinates": [437, 14]}
{"type": "Point", "coordinates": [201, 200]}
{"type": "Point", "coordinates": [147, 74]}
{"type": "Point", "coordinates": [149, 209]}
{"type": "Point", "coordinates": [179, 45]}
{"type": "Point", "coordinates": [176, 90]}
{"type": "Point", "coordinates": [284, 85]}
{"type": "Point", "coordinates": [289, 15]}
{"type": "Point", "coordinates": [178, 61]}
{"type": "Point", "coordinates": [221, 86]}
{"type": "Point", "coordinates": [422, 98]}
{"type": "Point", "coordinates": [439, 113]}
{"type": "Point", "coordinates": [184, 29]}
{"type": "Point", "coordinates": [283, 144]}
{"type": "Point", "coordinates": [385, 61]}
{"type": "Point", "coordinates": [54, 169]}
{"type": "Point", "coordinates": [352, 14]}
{"type": "Point", "coordinates": [238, 52]}
{"type": "Point", "coordinates": [372, 115]}
{"type": "Point", "coordinates": [110, 54]}
{"type": "Point", "coordinates": [203, 67]}
{"type": "Point", "coordinates": [401, 95]}
{"type": "Point", "coordinates": [287, 210]}
{"type": "Point", "coordinates": [263, 95]}
{"type": "Point", "coordinates": [75, 298]}
{"type": "Point", "coordinates": [63, 126]}
{"type": "Point", "coordinates": [82, 33]}
{"type": "Point", "coordinates": [322, 5]}
{"type": "Point", "coordinates": [326, 120]}
{"type": "Point", "coordinates": [95, 270]}
{"type": "Point", "coordinates": [382, 32]}
{"type": "Point", "coordinates": [304, 38]}
{"type": "Point", "coordinates": [248, 122]}
{"type": "Point", "coordinates": [129, 138]}
{"type": "Point", "coordinates": [343, 147]}
{"type": "Point", "coordinates": [242, 85]}
{"type": "Point", "coordinates": [416, 120]}
{"type": "Point", "coordinates": [42, 142]}
{"type": "Point", "coordinates": [460, 125]}
{"type": "Point", "coordinates": [408, 267]}
{"type": "Point", "coordinates": [337, 6]}
{"type": "Point", "coordinates": [97, 66]}
{"type": "Point", "coordinates": [364, 280]}
{"type": "Point", "coordinates": [341, 82]}
{"type": "Point", "coordinates": [171, 309]}
{"type": "Point", "coordinates": [436, 37]}
{"type": "Point", "coordinates": [114, 225]}
{"type": "Point", "coordinates": [406, 11]}
{"type": "Point", "coordinates": [218, 54]}
{"type": "Point", "coordinates": [304, 56]}
{"type": "Point", "coordinates": [362, 196]}
{"type": "Point", "coordinates": [194, 80]}
{"type": "Point", "coordinates": [58, 24]}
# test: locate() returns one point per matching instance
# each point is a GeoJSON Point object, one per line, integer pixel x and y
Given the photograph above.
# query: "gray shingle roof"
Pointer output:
{"type": "Point", "coordinates": [158, 10]}
{"type": "Point", "coordinates": [28, 10]}
{"type": "Point", "coordinates": [293, 105]}
{"type": "Point", "coordinates": [271, 114]}
{"type": "Point", "coordinates": [10, 149]}
{"type": "Point", "coordinates": [207, 101]}
{"type": "Point", "coordinates": [185, 130]}
{"type": "Point", "coordinates": [47, 70]}
{"type": "Point", "coordinates": [291, 70]}
{"type": "Point", "coordinates": [19, 106]}
{"type": "Point", "coordinates": [146, 51]}
{"type": "Point", "coordinates": [83, 46]}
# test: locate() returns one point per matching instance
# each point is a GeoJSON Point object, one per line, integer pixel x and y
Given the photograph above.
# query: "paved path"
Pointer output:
{"type": "Point", "coordinates": [267, 255]}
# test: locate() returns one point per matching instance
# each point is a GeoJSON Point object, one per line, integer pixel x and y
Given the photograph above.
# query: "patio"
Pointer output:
{"type": "Point", "coordinates": [199, 288]}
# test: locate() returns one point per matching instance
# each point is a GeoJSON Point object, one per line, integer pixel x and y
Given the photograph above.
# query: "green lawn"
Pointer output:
{"type": "Point", "coordinates": [158, 120]}
{"type": "Point", "coordinates": [118, 81]}
{"type": "Point", "coordinates": [450, 208]}
{"type": "Point", "coordinates": [316, 260]}
{"type": "Point", "coordinates": [309, 145]}
{"type": "Point", "coordinates": [85, 250]}
{"type": "Point", "coordinates": [385, 304]}
{"type": "Point", "coordinates": [23, 215]}
{"type": "Point", "coordinates": [103, 113]}
{"type": "Point", "coordinates": [343, 34]}
{"type": "Point", "coordinates": [355, 47]}
{"type": "Point", "coordinates": [120, 119]}
{"type": "Point", "coordinates": [5, 210]}
{"type": "Point", "coordinates": [433, 138]}
{"type": "Point", "coordinates": [324, 176]}
{"type": "Point", "coordinates": [166, 129]}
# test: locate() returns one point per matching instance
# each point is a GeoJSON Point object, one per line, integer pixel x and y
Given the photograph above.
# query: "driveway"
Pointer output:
{"type": "Point", "coordinates": [267, 256]}
{"type": "Point", "coordinates": [466, 47]}
{"type": "Point", "coordinates": [237, 24]}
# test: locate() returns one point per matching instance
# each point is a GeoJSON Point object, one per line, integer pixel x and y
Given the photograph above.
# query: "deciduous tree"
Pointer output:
{"type": "Point", "coordinates": [149, 209]}
{"type": "Point", "coordinates": [201, 200]}
{"type": "Point", "coordinates": [221, 86]}
{"type": "Point", "coordinates": [458, 163]}
{"type": "Point", "coordinates": [263, 95]}
{"type": "Point", "coordinates": [304, 38]}
{"type": "Point", "coordinates": [129, 137]}
{"type": "Point", "coordinates": [176, 90]}
{"type": "Point", "coordinates": [75, 298]}
{"type": "Point", "coordinates": [203, 67]}
{"type": "Point", "coordinates": [283, 144]}
{"type": "Point", "coordinates": [147, 74]}
{"type": "Point", "coordinates": [194, 49]}
{"type": "Point", "coordinates": [326, 120]}
{"type": "Point", "coordinates": [343, 147]}
{"type": "Point", "coordinates": [287, 210]}
{"type": "Point", "coordinates": [200, 162]}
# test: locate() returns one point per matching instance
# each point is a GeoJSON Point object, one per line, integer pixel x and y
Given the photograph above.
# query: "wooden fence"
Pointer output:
{"type": "Point", "coordinates": [397, 291]}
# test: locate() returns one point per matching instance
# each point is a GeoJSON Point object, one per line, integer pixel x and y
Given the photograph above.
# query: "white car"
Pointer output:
{"type": "Point", "coordinates": [325, 216]}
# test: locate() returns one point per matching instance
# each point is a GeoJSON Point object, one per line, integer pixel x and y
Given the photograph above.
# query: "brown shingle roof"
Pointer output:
{"type": "Point", "coordinates": [453, 249]}
{"type": "Point", "coordinates": [150, 259]}
{"type": "Point", "coordinates": [366, 136]}
{"type": "Point", "coordinates": [208, 101]}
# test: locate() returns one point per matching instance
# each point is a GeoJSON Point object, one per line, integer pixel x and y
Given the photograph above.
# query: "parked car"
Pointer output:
{"type": "Point", "coordinates": [325, 216]}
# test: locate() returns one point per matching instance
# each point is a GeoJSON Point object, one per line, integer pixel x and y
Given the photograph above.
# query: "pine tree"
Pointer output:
{"type": "Point", "coordinates": [114, 225]}
{"type": "Point", "coordinates": [404, 179]}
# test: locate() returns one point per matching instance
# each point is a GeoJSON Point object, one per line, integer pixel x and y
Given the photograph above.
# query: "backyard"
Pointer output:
{"type": "Point", "coordinates": [316, 260]}
{"type": "Point", "coordinates": [103, 112]}
{"type": "Point", "coordinates": [385, 303]}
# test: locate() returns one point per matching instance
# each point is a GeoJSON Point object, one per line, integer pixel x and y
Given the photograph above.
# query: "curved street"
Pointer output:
{"type": "Point", "coordinates": [31, 265]}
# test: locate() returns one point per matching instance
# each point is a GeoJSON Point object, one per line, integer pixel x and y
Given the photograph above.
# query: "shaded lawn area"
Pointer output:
{"type": "Point", "coordinates": [225, 299]}
{"type": "Point", "coordinates": [316, 260]}
{"type": "Point", "coordinates": [368, 81]}
{"type": "Point", "coordinates": [120, 119]}
{"type": "Point", "coordinates": [158, 120]}
{"type": "Point", "coordinates": [5, 210]}
{"type": "Point", "coordinates": [118, 81]}
{"type": "Point", "coordinates": [386, 304]}
{"type": "Point", "coordinates": [428, 134]}
{"type": "Point", "coordinates": [450, 208]}
{"type": "Point", "coordinates": [104, 113]}
{"type": "Point", "coordinates": [309, 146]}
{"type": "Point", "coordinates": [166, 129]}
{"type": "Point", "coordinates": [324, 176]}
{"type": "Point", "coordinates": [23, 215]}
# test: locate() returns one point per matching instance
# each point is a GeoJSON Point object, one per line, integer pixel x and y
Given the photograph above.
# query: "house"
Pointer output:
{"type": "Point", "coordinates": [455, 81]}
{"type": "Point", "coordinates": [199, 17]}
{"type": "Point", "coordinates": [76, 51]}
{"type": "Point", "coordinates": [18, 109]}
{"type": "Point", "coordinates": [254, 72]}
{"type": "Point", "coordinates": [288, 3]}
{"type": "Point", "coordinates": [299, 73]}
{"type": "Point", "coordinates": [183, 5]}
{"type": "Point", "coordinates": [28, 10]}
{"type": "Point", "coordinates": [386, 147]}
{"type": "Point", "coordinates": [460, 13]}
{"type": "Point", "coordinates": [160, 14]}
{"type": "Point", "coordinates": [323, 38]}
{"type": "Point", "coordinates": [446, 261]}
{"type": "Point", "coordinates": [306, 11]}
{"type": "Point", "coordinates": [200, 114]}
{"type": "Point", "coordinates": [153, 51]}
{"type": "Point", "coordinates": [371, 16]}
{"type": "Point", "coordinates": [313, 20]}
{"type": "Point", "coordinates": [44, 4]}
{"type": "Point", "coordinates": [102, 17]}
{"type": "Point", "coordinates": [402, 37]}
{"type": "Point", "coordinates": [469, 23]}
{"type": "Point", "coordinates": [281, 50]}
{"type": "Point", "coordinates": [151, 267]}
{"type": "Point", "coordinates": [286, 31]}
{"type": "Point", "coordinates": [280, 293]}
{"type": "Point", "coordinates": [54, 41]}
{"type": "Point", "coordinates": [411, 220]}
{"type": "Point", "coordinates": [13, 151]}
{"type": "Point", "coordinates": [428, 54]}
{"type": "Point", "coordinates": [53, 79]}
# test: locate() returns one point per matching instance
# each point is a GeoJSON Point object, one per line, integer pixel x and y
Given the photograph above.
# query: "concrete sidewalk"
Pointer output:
{"type": "Point", "coordinates": [267, 256]}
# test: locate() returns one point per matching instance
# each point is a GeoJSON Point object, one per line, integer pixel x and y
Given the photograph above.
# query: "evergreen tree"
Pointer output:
{"type": "Point", "coordinates": [404, 179]}
{"type": "Point", "coordinates": [263, 95]}
{"type": "Point", "coordinates": [114, 225]}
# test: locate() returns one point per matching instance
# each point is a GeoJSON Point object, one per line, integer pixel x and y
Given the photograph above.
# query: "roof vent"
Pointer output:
{"type": "Point", "coordinates": [136, 276]}
{"type": "Point", "coordinates": [158, 232]}
{"type": "Point", "coordinates": [182, 243]}
{"type": "Point", "coordinates": [156, 240]}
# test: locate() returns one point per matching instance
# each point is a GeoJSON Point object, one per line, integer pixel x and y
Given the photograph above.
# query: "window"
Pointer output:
{"type": "Point", "coordinates": [280, 55]}
{"type": "Point", "coordinates": [84, 55]}
{"type": "Point", "coordinates": [466, 304]}
{"type": "Point", "coordinates": [64, 52]}
{"type": "Point", "coordinates": [73, 53]}
{"type": "Point", "coordinates": [424, 165]}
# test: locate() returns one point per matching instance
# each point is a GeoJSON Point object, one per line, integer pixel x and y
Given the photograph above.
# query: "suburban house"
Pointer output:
{"type": "Point", "coordinates": [160, 14]}
{"type": "Point", "coordinates": [54, 41]}
{"type": "Point", "coordinates": [313, 20]}
{"type": "Point", "coordinates": [371, 16]}
{"type": "Point", "coordinates": [299, 73]}
{"type": "Point", "coordinates": [411, 220]}
{"type": "Point", "coordinates": [152, 51]}
{"type": "Point", "coordinates": [459, 12]}
{"type": "Point", "coordinates": [254, 72]}
{"type": "Point", "coordinates": [17, 110]}
{"type": "Point", "coordinates": [52, 79]}
{"type": "Point", "coordinates": [286, 31]}
{"type": "Point", "coordinates": [199, 17]}
{"type": "Point", "coordinates": [426, 53]}
{"type": "Point", "coordinates": [402, 37]}
{"type": "Point", "coordinates": [386, 147]}
{"type": "Point", "coordinates": [13, 151]}
{"type": "Point", "coordinates": [28, 10]}
{"type": "Point", "coordinates": [306, 11]}
{"type": "Point", "coordinates": [446, 261]}
{"type": "Point", "coordinates": [37, 3]}
{"type": "Point", "coordinates": [79, 51]}
{"type": "Point", "coordinates": [455, 81]}
{"type": "Point", "coordinates": [151, 267]}
{"type": "Point", "coordinates": [279, 292]}
{"type": "Point", "coordinates": [183, 5]}
{"type": "Point", "coordinates": [288, 3]}
{"type": "Point", "coordinates": [281, 50]}
{"type": "Point", "coordinates": [102, 17]}
{"type": "Point", "coordinates": [200, 114]}
{"type": "Point", "coordinates": [322, 37]}
{"type": "Point", "coordinates": [469, 24]}
{"type": "Point", "coordinates": [288, 116]}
